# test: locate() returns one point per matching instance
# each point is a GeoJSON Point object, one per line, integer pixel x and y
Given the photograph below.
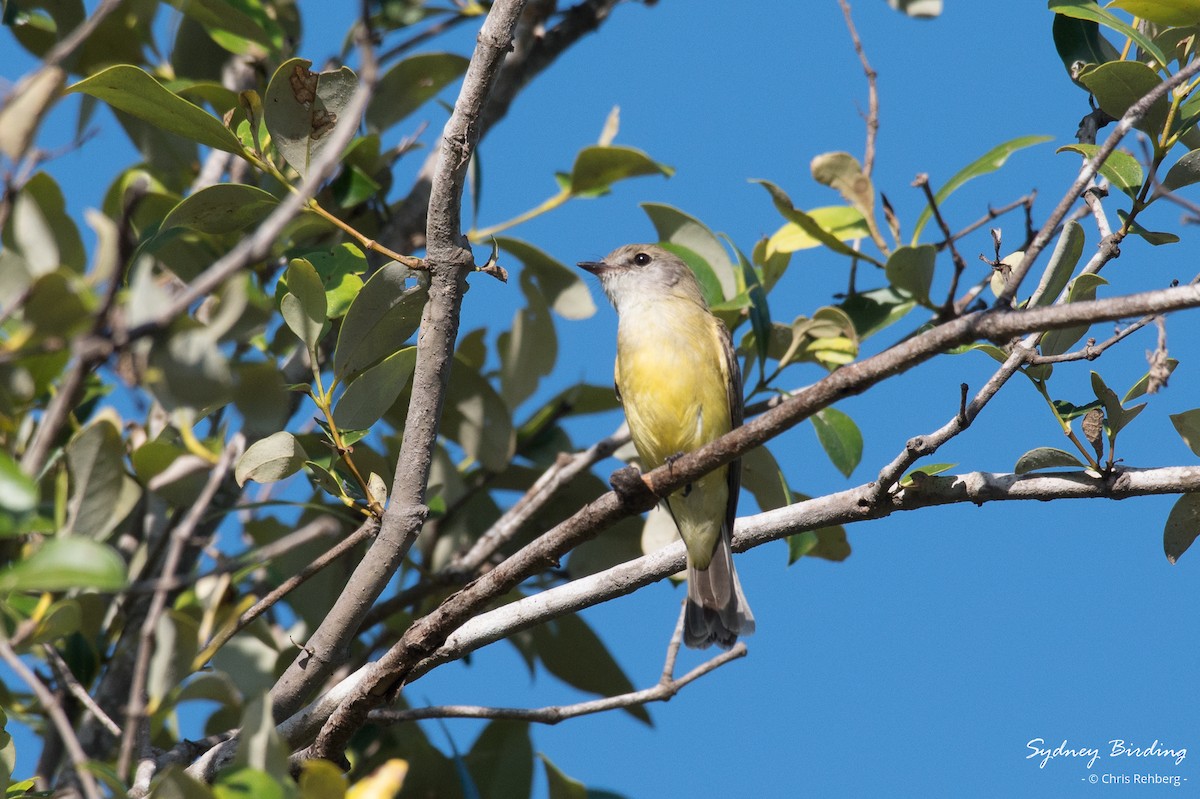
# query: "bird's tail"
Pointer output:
{"type": "Point", "coordinates": [716, 609]}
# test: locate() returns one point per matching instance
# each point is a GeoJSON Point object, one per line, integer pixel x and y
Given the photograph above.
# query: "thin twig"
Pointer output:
{"type": "Point", "coordinates": [135, 718]}
{"type": "Point", "coordinates": [434, 30]}
{"type": "Point", "coordinates": [58, 717]}
{"type": "Point", "coordinates": [364, 532]}
{"type": "Point", "coordinates": [666, 688]}
{"type": "Point", "coordinates": [1090, 168]}
{"type": "Point", "coordinates": [872, 118]}
{"type": "Point", "coordinates": [321, 527]}
{"type": "Point", "coordinates": [843, 507]}
{"type": "Point", "coordinates": [992, 214]}
{"type": "Point", "coordinates": [257, 246]}
{"type": "Point", "coordinates": [63, 672]}
{"type": "Point", "coordinates": [960, 266]}
{"type": "Point", "coordinates": [565, 469]}
{"type": "Point", "coordinates": [1092, 350]}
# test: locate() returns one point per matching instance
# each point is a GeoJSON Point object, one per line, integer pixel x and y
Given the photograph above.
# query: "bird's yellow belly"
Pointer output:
{"type": "Point", "coordinates": [674, 390]}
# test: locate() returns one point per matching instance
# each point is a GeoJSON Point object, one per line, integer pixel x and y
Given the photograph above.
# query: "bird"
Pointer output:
{"type": "Point", "coordinates": [679, 383]}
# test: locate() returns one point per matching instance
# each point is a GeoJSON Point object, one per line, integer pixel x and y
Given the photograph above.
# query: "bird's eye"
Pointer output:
{"type": "Point", "coordinates": [641, 259]}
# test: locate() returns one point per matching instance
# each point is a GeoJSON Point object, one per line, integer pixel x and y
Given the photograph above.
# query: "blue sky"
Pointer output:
{"type": "Point", "coordinates": [925, 663]}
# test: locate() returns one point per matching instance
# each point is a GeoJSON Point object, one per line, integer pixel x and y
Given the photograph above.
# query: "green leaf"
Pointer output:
{"type": "Point", "coordinates": [1117, 85]}
{"type": "Point", "coordinates": [561, 286]}
{"type": "Point", "coordinates": [771, 264]}
{"type": "Point", "coordinates": [760, 313]}
{"type": "Point", "coordinates": [270, 459]}
{"type": "Point", "coordinates": [528, 349]}
{"type": "Point", "coordinates": [381, 318]}
{"type": "Point", "coordinates": [1079, 43]}
{"type": "Point", "coordinates": [102, 495]}
{"type": "Point", "coordinates": [26, 107]}
{"type": "Point", "coordinates": [374, 390]}
{"type": "Point", "coordinates": [989, 162]}
{"type": "Point", "coordinates": [301, 109]}
{"type": "Point", "coordinates": [840, 221]}
{"type": "Point", "coordinates": [1140, 388]}
{"type": "Point", "coordinates": [259, 746]}
{"type": "Point", "coordinates": [841, 171]}
{"type": "Point", "coordinates": [561, 786]}
{"type": "Point", "coordinates": [675, 227]}
{"type": "Point", "coordinates": [130, 89]}
{"type": "Point", "coordinates": [910, 269]}
{"type": "Point", "coordinates": [1082, 289]}
{"type": "Point", "coordinates": [477, 418]}
{"type": "Point", "coordinates": [1182, 527]}
{"type": "Point", "coordinates": [54, 306]}
{"type": "Point", "coordinates": [320, 779]}
{"type": "Point", "coordinates": [1120, 168]}
{"type": "Point", "coordinates": [784, 205]}
{"type": "Point", "coordinates": [42, 231]}
{"type": "Point", "coordinates": [64, 564]}
{"type": "Point", "coordinates": [710, 284]}
{"type": "Point", "coordinates": [763, 478]}
{"type": "Point", "coordinates": [597, 168]}
{"type": "Point", "coordinates": [840, 438]}
{"type": "Point", "coordinates": [18, 493]}
{"type": "Point", "coordinates": [1068, 411]}
{"type": "Point", "coordinates": [1062, 263]}
{"type": "Point", "coordinates": [1116, 416]}
{"type": "Point", "coordinates": [190, 371]}
{"type": "Point", "coordinates": [233, 25]}
{"type": "Point", "coordinates": [1156, 238]}
{"type": "Point", "coordinates": [573, 653]}
{"type": "Point", "coordinates": [926, 469]}
{"type": "Point", "coordinates": [872, 311]}
{"type": "Point", "coordinates": [223, 208]}
{"type": "Point", "coordinates": [1162, 12]}
{"type": "Point", "coordinates": [1187, 424]}
{"type": "Point", "coordinates": [1184, 172]}
{"type": "Point", "coordinates": [501, 760]}
{"type": "Point", "coordinates": [1090, 11]}
{"type": "Point", "coordinates": [1046, 458]}
{"type": "Point", "coordinates": [827, 543]}
{"type": "Point", "coordinates": [304, 305]}
{"type": "Point", "coordinates": [339, 270]}
{"type": "Point", "coordinates": [410, 84]}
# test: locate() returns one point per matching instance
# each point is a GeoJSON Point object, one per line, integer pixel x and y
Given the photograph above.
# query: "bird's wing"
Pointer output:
{"type": "Point", "coordinates": [733, 389]}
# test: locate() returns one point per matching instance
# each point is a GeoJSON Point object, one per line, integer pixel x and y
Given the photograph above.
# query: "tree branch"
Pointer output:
{"type": "Point", "coordinates": [872, 118]}
{"type": "Point", "coordinates": [1090, 168]}
{"type": "Point", "coordinates": [845, 507]}
{"type": "Point", "coordinates": [257, 246]}
{"type": "Point", "coordinates": [135, 717]}
{"type": "Point", "coordinates": [666, 688]}
{"type": "Point", "coordinates": [396, 667]}
{"type": "Point", "coordinates": [58, 718]}
{"type": "Point", "coordinates": [450, 260]}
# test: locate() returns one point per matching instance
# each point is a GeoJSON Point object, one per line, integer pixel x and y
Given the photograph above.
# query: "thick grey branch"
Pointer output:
{"type": "Point", "coordinates": [854, 505]}
{"type": "Point", "coordinates": [449, 258]}
{"type": "Point", "coordinates": [398, 665]}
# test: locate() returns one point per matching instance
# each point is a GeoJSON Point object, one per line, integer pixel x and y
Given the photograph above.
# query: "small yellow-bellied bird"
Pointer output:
{"type": "Point", "coordinates": [681, 387]}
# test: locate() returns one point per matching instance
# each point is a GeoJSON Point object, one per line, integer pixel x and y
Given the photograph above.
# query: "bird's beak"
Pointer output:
{"type": "Point", "coordinates": [597, 268]}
